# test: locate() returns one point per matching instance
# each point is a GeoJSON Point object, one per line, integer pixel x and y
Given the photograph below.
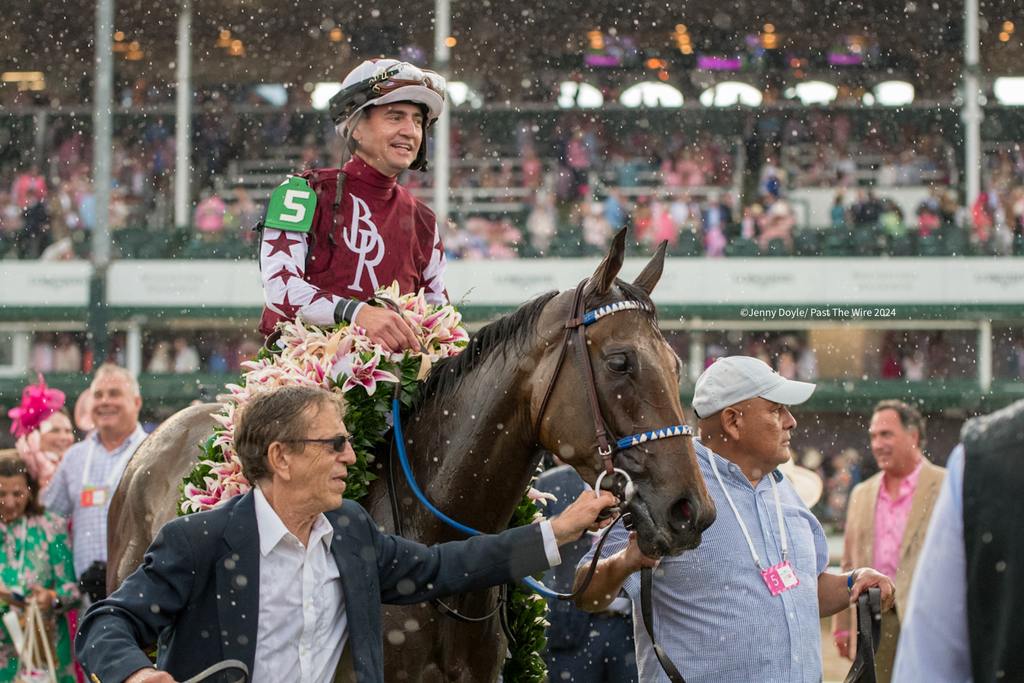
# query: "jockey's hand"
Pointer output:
{"type": "Point", "coordinates": [386, 327]}
{"type": "Point", "coordinates": [149, 675]}
{"type": "Point", "coordinates": [582, 515]}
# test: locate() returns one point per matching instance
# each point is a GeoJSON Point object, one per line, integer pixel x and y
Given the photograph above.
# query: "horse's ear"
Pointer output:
{"type": "Point", "coordinates": [602, 279]}
{"type": "Point", "coordinates": [648, 278]}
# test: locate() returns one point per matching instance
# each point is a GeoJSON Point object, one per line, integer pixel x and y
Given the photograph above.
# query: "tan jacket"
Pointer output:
{"type": "Point", "coordinates": [859, 542]}
{"type": "Point", "coordinates": [859, 551]}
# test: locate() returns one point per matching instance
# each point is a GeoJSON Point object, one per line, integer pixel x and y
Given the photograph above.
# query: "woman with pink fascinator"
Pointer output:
{"type": "Point", "coordinates": [43, 430]}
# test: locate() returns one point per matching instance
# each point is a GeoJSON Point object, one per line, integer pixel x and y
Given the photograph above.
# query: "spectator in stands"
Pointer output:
{"type": "Point", "coordinates": [42, 353]}
{"type": "Point", "coordinates": [34, 235]}
{"type": "Point", "coordinates": [597, 232]}
{"type": "Point", "coordinates": [209, 215]}
{"type": "Point", "coordinates": [616, 209]}
{"type": "Point", "coordinates": [891, 219]}
{"type": "Point", "coordinates": [67, 357]}
{"type": "Point", "coordinates": [838, 212]}
{"type": "Point", "coordinates": [186, 358]}
{"type": "Point", "coordinates": [244, 214]}
{"type": "Point", "coordinates": [542, 222]}
{"type": "Point", "coordinates": [161, 361]}
{"type": "Point", "coordinates": [772, 178]}
{"type": "Point", "coordinates": [29, 187]}
{"type": "Point", "coordinates": [753, 218]}
{"type": "Point", "coordinates": [91, 469]}
{"type": "Point", "coordinates": [778, 224]}
{"type": "Point", "coordinates": [981, 219]}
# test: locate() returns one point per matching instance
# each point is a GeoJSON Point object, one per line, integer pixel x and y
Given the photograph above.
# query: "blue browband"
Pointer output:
{"type": "Point", "coordinates": [653, 435]}
{"type": "Point", "coordinates": [592, 316]}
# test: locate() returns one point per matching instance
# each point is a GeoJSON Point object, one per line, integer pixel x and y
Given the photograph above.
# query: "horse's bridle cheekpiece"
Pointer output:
{"type": "Point", "coordinates": [576, 325]}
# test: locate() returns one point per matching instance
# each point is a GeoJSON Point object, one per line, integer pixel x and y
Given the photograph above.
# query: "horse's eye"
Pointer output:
{"type": "Point", "coordinates": [618, 363]}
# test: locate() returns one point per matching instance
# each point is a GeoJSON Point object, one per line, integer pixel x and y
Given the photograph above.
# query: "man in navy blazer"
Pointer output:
{"type": "Point", "coordinates": [287, 576]}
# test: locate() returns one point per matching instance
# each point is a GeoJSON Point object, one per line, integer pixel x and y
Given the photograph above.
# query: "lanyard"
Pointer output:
{"type": "Point", "coordinates": [115, 473]}
{"type": "Point", "coordinates": [743, 527]}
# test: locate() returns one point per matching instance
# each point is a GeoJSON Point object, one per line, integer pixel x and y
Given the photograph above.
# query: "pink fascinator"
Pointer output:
{"type": "Point", "coordinates": [38, 402]}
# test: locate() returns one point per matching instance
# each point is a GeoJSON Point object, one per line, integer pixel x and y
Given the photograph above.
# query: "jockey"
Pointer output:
{"type": "Point", "coordinates": [331, 237]}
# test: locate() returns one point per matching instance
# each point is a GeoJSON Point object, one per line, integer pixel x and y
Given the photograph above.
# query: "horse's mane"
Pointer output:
{"type": "Point", "coordinates": [512, 330]}
{"type": "Point", "coordinates": [508, 332]}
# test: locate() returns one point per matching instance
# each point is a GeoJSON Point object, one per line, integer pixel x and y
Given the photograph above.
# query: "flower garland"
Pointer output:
{"type": "Point", "coordinates": [345, 360]}
{"type": "Point", "coordinates": [341, 359]}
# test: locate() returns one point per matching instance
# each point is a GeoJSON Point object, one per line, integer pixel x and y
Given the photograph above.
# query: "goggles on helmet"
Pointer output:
{"type": "Point", "coordinates": [352, 98]}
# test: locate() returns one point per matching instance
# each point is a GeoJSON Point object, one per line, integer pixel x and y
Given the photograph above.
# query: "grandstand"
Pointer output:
{"type": "Point", "coordinates": [760, 188]}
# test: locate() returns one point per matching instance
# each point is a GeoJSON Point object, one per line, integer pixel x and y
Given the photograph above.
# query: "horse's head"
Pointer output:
{"type": "Point", "coordinates": [636, 381]}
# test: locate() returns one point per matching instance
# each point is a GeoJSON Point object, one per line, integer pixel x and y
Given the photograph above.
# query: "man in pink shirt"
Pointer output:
{"type": "Point", "coordinates": [887, 519]}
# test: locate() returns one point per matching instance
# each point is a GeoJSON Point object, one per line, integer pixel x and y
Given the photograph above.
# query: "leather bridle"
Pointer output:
{"type": "Point", "coordinates": [576, 335]}
{"type": "Point", "coordinates": [607, 447]}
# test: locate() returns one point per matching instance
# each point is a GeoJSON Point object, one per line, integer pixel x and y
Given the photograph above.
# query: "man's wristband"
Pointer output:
{"type": "Point", "coordinates": [345, 311]}
{"type": "Point", "coordinates": [851, 579]}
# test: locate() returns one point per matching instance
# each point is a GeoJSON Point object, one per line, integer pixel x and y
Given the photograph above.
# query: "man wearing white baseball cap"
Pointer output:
{"type": "Point", "coordinates": [745, 604]}
{"type": "Point", "coordinates": [332, 237]}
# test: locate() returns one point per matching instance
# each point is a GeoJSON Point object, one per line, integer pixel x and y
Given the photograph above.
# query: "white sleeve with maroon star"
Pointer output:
{"type": "Point", "coordinates": [282, 260]}
{"type": "Point", "coordinates": [432, 277]}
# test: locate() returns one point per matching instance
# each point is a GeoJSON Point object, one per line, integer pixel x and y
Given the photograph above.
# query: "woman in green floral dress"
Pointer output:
{"type": "Point", "coordinates": [35, 563]}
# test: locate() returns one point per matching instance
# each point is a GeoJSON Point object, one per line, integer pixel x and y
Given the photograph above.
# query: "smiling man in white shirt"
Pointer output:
{"type": "Point", "coordinates": [287, 577]}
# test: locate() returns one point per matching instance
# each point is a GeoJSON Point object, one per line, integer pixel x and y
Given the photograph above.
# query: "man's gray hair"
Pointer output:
{"type": "Point", "coordinates": [112, 370]}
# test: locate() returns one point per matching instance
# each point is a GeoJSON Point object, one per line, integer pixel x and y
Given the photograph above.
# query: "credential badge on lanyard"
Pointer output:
{"type": "Point", "coordinates": [95, 494]}
{"type": "Point", "coordinates": [779, 577]}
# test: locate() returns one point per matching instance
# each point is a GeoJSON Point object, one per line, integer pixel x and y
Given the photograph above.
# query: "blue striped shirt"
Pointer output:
{"type": "Point", "coordinates": [713, 613]}
{"type": "Point", "coordinates": [63, 496]}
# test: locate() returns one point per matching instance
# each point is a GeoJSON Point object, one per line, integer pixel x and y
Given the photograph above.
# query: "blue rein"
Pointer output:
{"type": "Point", "coordinates": [403, 459]}
{"type": "Point", "coordinates": [624, 443]}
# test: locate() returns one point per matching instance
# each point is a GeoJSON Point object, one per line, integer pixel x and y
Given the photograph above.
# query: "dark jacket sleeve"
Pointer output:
{"type": "Point", "coordinates": [114, 632]}
{"type": "Point", "coordinates": [411, 572]}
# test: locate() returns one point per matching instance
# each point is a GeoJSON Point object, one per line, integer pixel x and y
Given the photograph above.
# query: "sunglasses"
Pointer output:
{"type": "Point", "coordinates": [337, 443]}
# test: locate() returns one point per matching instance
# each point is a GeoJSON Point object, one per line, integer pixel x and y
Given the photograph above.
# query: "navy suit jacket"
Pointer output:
{"type": "Point", "coordinates": [196, 594]}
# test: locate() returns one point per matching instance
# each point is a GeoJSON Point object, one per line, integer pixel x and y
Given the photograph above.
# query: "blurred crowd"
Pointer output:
{"type": "Point", "coordinates": [551, 186]}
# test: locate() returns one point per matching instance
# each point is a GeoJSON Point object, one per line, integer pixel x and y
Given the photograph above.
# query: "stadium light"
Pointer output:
{"type": "Point", "coordinates": [730, 94]}
{"type": "Point", "coordinates": [460, 94]}
{"type": "Point", "coordinates": [813, 92]}
{"type": "Point", "coordinates": [322, 94]}
{"type": "Point", "coordinates": [651, 94]}
{"type": "Point", "coordinates": [1009, 90]}
{"type": "Point", "coordinates": [894, 93]}
{"type": "Point", "coordinates": [583, 95]}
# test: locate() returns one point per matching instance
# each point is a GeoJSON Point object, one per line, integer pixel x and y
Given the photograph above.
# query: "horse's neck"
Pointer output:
{"type": "Point", "coordinates": [474, 453]}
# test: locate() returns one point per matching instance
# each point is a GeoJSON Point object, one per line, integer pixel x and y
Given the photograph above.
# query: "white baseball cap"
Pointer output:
{"type": "Point", "coordinates": [733, 379]}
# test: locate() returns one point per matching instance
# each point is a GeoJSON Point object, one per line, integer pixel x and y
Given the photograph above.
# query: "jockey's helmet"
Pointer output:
{"type": "Point", "coordinates": [383, 81]}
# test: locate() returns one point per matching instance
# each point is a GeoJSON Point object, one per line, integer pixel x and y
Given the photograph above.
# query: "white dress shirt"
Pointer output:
{"type": "Point", "coordinates": [297, 580]}
{"type": "Point", "coordinates": [302, 626]}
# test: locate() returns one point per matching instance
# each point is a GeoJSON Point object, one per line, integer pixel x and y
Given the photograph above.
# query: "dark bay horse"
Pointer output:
{"type": "Point", "coordinates": [475, 439]}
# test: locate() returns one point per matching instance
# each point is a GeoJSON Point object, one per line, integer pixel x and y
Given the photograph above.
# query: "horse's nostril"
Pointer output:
{"type": "Point", "coordinates": [681, 514]}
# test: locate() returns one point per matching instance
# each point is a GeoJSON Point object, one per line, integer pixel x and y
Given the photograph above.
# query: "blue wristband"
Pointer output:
{"type": "Point", "coordinates": [849, 580]}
